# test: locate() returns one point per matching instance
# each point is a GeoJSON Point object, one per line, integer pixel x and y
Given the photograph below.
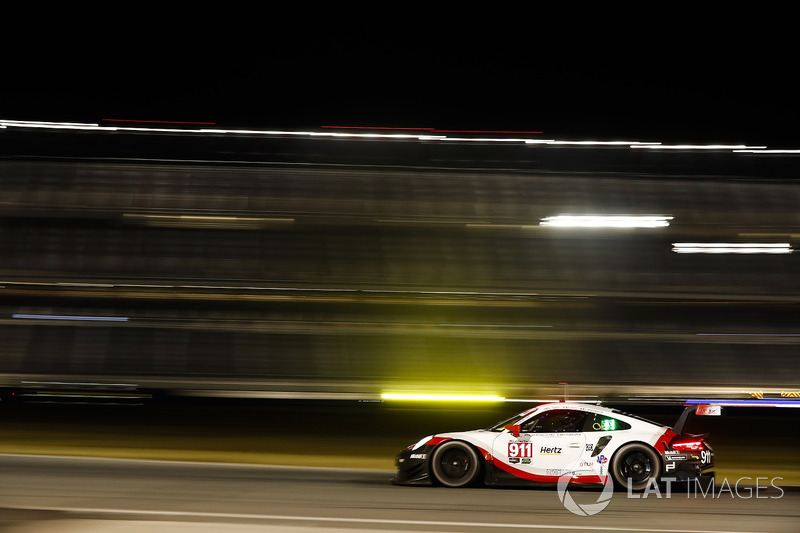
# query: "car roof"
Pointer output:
{"type": "Point", "coordinates": [592, 408]}
{"type": "Point", "coordinates": [579, 406]}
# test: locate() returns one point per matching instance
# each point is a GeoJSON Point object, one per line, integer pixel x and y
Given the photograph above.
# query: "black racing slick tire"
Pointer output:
{"type": "Point", "coordinates": [634, 467]}
{"type": "Point", "coordinates": [455, 464]}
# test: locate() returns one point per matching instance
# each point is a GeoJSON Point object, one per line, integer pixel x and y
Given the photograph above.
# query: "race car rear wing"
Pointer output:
{"type": "Point", "coordinates": [699, 410]}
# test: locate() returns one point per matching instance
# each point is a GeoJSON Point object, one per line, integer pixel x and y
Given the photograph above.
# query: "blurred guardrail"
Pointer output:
{"type": "Point", "coordinates": [278, 267]}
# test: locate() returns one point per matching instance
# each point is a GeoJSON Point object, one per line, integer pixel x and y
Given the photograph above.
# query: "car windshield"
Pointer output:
{"type": "Point", "coordinates": [513, 420]}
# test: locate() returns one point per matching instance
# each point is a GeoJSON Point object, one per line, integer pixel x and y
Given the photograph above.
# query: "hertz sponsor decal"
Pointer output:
{"type": "Point", "coordinates": [549, 450]}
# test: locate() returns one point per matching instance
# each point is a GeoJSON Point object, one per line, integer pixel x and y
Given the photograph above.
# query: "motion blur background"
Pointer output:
{"type": "Point", "coordinates": [299, 266]}
{"type": "Point", "coordinates": [146, 263]}
{"type": "Point", "coordinates": [219, 257]}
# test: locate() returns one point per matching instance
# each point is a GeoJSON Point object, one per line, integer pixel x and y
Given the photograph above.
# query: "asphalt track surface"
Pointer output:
{"type": "Point", "coordinates": [59, 494]}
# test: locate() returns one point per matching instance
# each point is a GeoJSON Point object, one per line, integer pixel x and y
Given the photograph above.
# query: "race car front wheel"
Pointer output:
{"type": "Point", "coordinates": [634, 466]}
{"type": "Point", "coordinates": [455, 464]}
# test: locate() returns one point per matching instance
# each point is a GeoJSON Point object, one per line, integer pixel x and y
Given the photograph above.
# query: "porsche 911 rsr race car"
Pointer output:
{"type": "Point", "coordinates": [587, 442]}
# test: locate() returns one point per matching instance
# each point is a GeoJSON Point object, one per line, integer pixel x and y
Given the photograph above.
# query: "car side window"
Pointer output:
{"type": "Point", "coordinates": [600, 422]}
{"type": "Point", "coordinates": [556, 421]}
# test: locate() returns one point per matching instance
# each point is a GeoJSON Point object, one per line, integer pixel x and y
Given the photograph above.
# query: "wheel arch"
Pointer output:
{"type": "Point", "coordinates": [478, 450]}
{"type": "Point", "coordinates": [480, 453]}
{"type": "Point", "coordinates": [659, 458]}
{"type": "Point", "coordinates": [641, 443]}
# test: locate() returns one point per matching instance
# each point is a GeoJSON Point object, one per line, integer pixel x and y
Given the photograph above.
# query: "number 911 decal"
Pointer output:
{"type": "Point", "coordinates": [520, 449]}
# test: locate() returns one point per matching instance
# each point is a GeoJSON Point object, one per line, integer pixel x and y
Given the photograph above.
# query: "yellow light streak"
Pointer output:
{"type": "Point", "coordinates": [442, 397]}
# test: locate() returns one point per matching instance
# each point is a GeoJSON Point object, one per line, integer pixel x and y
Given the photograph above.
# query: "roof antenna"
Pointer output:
{"type": "Point", "coordinates": [565, 389]}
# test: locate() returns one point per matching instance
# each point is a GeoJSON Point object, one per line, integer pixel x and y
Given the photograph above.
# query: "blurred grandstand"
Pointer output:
{"type": "Point", "coordinates": [275, 264]}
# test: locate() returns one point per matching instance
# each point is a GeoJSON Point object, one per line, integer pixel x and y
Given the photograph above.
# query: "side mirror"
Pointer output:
{"type": "Point", "coordinates": [514, 429]}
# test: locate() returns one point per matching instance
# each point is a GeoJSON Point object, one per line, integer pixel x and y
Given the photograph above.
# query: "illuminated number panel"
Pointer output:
{"type": "Point", "coordinates": [598, 422]}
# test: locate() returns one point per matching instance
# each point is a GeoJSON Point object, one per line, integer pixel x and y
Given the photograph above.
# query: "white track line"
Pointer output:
{"type": "Point", "coordinates": [436, 523]}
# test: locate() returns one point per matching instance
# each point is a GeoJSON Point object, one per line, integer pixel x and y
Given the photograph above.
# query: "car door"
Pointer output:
{"type": "Point", "coordinates": [548, 445]}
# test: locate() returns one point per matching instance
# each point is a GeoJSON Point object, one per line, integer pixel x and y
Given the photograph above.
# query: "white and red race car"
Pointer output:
{"type": "Point", "coordinates": [540, 445]}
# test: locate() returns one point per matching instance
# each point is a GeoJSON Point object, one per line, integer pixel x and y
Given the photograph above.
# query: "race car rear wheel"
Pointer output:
{"type": "Point", "coordinates": [455, 464]}
{"type": "Point", "coordinates": [634, 466]}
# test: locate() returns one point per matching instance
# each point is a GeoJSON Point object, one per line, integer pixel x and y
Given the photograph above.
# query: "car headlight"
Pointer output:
{"type": "Point", "coordinates": [420, 443]}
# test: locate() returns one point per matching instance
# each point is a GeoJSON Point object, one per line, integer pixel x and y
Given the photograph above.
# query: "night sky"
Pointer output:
{"type": "Point", "coordinates": [631, 82]}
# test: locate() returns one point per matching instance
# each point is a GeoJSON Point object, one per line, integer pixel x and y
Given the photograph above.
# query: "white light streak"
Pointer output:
{"type": "Point", "coordinates": [80, 384]}
{"type": "Point", "coordinates": [590, 143]}
{"type": "Point", "coordinates": [696, 146]}
{"type": "Point", "coordinates": [731, 248]}
{"type": "Point", "coordinates": [773, 151]}
{"type": "Point", "coordinates": [607, 221]}
{"type": "Point", "coordinates": [486, 139]}
{"type": "Point", "coordinates": [5, 124]}
{"type": "Point", "coordinates": [76, 284]}
{"type": "Point", "coordinates": [51, 125]}
{"type": "Point", "coordinates": [72, 317]}
{"type": "Point", "coordinates": [286, 289]}
{"type": "Point", "coordinates": [221, 220]}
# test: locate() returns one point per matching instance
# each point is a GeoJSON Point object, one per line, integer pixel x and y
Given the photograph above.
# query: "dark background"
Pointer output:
{"type": "Point", "coordinates": [643, 74]}
{"type": "Point", "coordinates": [674, 77]}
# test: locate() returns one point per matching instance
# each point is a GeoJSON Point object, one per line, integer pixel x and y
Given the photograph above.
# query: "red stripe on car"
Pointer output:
{"type": "Point", "coordinates": [663, 442]}
{"type": "Point", "coordinates": [538, 477]}
{"type": "Point", "coordinates": [437, 440]}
